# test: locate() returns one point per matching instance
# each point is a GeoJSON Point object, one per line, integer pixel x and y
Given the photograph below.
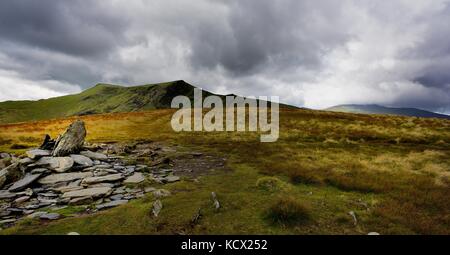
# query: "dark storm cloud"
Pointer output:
{"type": "Point", "coordinates": [310, 53]}
{"type": "Point", "coordinates": [282, 34]}
{"type": "Point", "coordinates": [75, 27]}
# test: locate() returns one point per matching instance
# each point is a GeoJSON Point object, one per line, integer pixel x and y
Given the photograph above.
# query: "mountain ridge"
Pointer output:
{"type": "Point", "coordinates": [379, 109]}
{"type": "Point", "coordinates": [101, 98]}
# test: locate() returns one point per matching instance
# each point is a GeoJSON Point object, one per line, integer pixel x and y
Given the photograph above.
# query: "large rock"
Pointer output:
{"type": "Point", "coordinates": [94, 155]}
{"type": "Point", "coordinates": [10, 174]}
{"type": "Point", "coordinates": [24, 182]}
{"type": "Point", "coordinates": [65, 177]}
{"type": "Point", "coordinates": [58, 164]}
{"type": "Point", "coordinates": [71, 141]}
{"type": "Point", "coordinates": [37, 153]}
{"type": "Point", "coordinates": [106, 178]}
{"type": "Point", "coordinates": [91, 192]}
{"type": "Point", "coordinates": [82, 160]}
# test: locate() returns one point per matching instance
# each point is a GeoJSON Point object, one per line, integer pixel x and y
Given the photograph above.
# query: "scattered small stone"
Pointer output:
{"type": "Point", "coordinates": [73, 234]}
{"type": "Point", "coordinates": [353, 214]}
{"type": "Point", "coordinates": [171, 178]}
{"type": "Point", "coordinates": [196, 217]}
{"type": "Point", "coordinates": [161, 193]}
{"type": "Point", "coordinates": [373, 234]}
{"type": "Point", "coordinates": [157, 206]}
{"type": "Point", "coordinates": [216, 203]}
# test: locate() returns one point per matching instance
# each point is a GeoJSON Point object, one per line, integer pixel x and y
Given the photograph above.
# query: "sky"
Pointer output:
{"type": "Point", "coordinates": [310, 53]}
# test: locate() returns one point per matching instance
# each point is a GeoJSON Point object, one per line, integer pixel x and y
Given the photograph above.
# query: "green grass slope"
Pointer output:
{"type": "Point", "coordinates": [377, 109]}
{"type": "Point", "coordinates": [103, 98]}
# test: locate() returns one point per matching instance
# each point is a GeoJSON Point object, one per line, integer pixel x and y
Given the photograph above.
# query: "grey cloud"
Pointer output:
{"type": "Point", "coordinates": [312, 53]}
{"type": "Point", "coordinates": [75, 27]}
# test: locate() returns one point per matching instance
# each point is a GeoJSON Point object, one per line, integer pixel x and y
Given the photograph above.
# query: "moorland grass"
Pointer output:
{"type": "Point", "coordinates": [392, 171]}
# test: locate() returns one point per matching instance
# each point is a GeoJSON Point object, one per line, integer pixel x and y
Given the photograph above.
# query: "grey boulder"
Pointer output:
{"type": "Point", "coordinates": [71, 141]}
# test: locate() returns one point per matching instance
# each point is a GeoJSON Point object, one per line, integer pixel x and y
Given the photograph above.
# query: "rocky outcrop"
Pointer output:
{"type": "Point", "coordinates": [30, 188]}
{"type": "Point", "coordinates": [71, 142]}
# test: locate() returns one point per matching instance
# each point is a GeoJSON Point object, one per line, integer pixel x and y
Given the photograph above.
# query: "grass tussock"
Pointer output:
{"type": "Point", "coordinates": [271, 184]}
{"type": "Point", "coordinates": [287, 210]}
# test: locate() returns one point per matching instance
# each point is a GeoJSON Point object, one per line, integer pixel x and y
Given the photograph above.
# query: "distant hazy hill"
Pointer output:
{"type": "Point", "coordinates": [103, 98]}
{"type": "Point", "coordinates": [378, 109]}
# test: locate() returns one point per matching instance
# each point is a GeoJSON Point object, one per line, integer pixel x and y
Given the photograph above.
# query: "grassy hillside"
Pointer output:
{"type": "Point", "coordinates": [391, 171]}
{"type": "Point", "coordinates": [377, 109]}
{"type": "Point", "coordinates": [103, 98]}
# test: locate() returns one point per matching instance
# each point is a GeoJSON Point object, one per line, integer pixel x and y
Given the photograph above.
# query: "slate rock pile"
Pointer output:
{"type": "Point", "coordinates": [64, 172]}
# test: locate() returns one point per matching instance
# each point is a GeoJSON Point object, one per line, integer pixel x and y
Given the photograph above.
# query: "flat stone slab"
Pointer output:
{"type": "Point", "coordinates": [111, 204]}
{"type": "Point", "coordinates": [82, 160]}
{"type": "Point", "coordinates": [40, 171]}
{"type": "Point", "coordinates": [64, 177]}
{"type": "Point", "coordinates": [135, 178]}
{"type": "Point", "coordinates": [106, 178]}
{"type": "Point", "coordinates": [37, 153]}
{"type": "Point", "coordinates": [93, 192]}
{"type": "Point", "coordinates": [24, 182]}
{"type": "Point", "coordinates": [94, 155]}
{"type": "Point", "coordinates": [171, 178]}
{"type": "Point", "coordinates": [50, 216]}
{"type": "Point", "coordinates": [58, 164]}
{"type": "Point", "coordinates": [5, 194]}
